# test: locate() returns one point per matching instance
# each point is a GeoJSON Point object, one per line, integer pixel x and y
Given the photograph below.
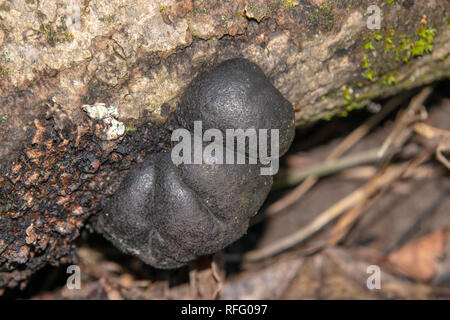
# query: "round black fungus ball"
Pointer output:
{"type": "Point", "coordinates": [237, 94]}
{"type": "Point", "coordinates": [169, 214]}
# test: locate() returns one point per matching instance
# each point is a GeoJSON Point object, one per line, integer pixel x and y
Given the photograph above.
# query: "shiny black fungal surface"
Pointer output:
{"type": "Point", "coordinates": [167, 215]}
{"type": "Point", "coordinates": [237, 94]}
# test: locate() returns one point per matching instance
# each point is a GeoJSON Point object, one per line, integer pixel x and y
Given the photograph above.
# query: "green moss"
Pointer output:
{"type": "Point", "coordinates": [389, 78]}
{"type": "Point", "coordinates": [4, 118]}
{"type": "Point", "coordinates": [397, 50]}
{"type": "Point", "coordinates": [390, 1]}
{"type": "Point", "coordinates": [425, 43]}
{"type": "Point", "coordinates": [347, 92]}
{"type": "Point", "coordinates": [421, 47]}
{"type": "Point", "coordinates": [388, 44]}
{"type": "Point", "coordinates": [353, 101]}
{"type": "Point", "coordinates": [130, 129]}
{"type": "Point", "coordinates": [161, 8]}
{"type": "Point", "coordinates": [370, 74]}
{"type": "Point", "coordinates": [366, 62]}
{"type": "Point", "coordinates": [408, 48]}
{"type": "Point", "coordinates": [378, 36]}
{"type": "Point", "coordinates": [369, 46]}
{"type": "Point", "coordinates": [344, 111]}
{"type": "Point", "coordinates": [385, 53]}
{"type": "Point", "coordinates": [58, 33]}
{"type": "Point", "coordinates": [290, 3]}
{"type": "Point", "coordinates": [403, 51]}
{"type": "Point", "coordinates": [47, 30]}
{"type": "Point", "coordinates": [349, 108]}
{"type": "Point", "coordinates": [426, 34]}
{"type": "Point", "coordinates": [325, 7]}
{"type": "Point", "coordinates": [4, 70]}
{"type": "Point", "coordinates": [344, 114]}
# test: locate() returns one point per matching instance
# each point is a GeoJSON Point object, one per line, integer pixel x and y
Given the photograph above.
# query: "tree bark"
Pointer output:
{"type": "Point", "coordinates": [88, 88]}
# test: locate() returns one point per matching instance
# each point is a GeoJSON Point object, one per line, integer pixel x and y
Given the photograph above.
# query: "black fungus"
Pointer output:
{"type": "Point", "coordinates": [169, 214]}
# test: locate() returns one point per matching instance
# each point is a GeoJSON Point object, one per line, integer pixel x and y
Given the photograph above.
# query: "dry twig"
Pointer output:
{"type": "Point", "coordinates": [357, 201]}
{"type": "Point", "coordinates": [344, 146]}
{"type": "Point", "coordinates": [443, 136]}
{"type": "Point", "coordinates": [368, 190]}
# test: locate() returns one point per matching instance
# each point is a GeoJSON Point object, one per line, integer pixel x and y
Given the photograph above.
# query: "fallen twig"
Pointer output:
{"type": "Point", "coordinates": [384, 178]}
{"type": "Point", "coordinates": [443, 136]}
{"type": "Point", "coordinates": [344, 146]}
{"type": "Point", "coordinates": [329, 167]}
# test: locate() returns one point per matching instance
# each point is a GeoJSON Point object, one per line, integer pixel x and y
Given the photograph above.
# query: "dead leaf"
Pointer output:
{"type": "Point", "coordinates": [420, 259]}
{"type": "Point", "coordinates": [268, 283]}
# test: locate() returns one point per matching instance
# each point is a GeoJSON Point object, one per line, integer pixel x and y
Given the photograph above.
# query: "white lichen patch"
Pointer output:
{"type": "Point", "coordinates": [100, 111]}
{"type": "Point", "coordinates": [113, 128]}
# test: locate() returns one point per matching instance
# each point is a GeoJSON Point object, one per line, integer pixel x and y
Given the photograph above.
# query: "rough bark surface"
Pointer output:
{"type": "Point", "coordinates": [87, 89]}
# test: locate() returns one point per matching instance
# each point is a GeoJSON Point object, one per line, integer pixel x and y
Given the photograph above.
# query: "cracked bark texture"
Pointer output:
{"type": "Point", "coordinates": [130, 61]}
